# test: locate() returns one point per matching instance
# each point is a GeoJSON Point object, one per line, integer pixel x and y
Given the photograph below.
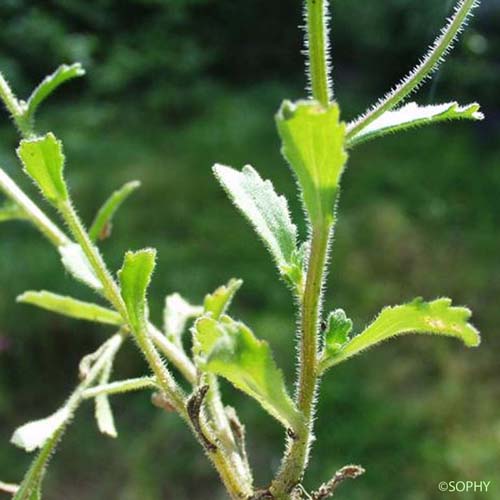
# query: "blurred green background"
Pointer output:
{"type": "Point", "coordinates": [172, 87]}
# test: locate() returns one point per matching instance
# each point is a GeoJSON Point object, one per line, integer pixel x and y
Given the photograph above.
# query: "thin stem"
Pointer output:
{"type": "Point", "coordinates": [224, 431]}
{"type": "Point", "coordinates": [35, 473]}
{"type": "Point", "coordinates": [174, 353]}
{"type": "Point", "coordinates": [317, 49]}
{"type": "Point", "coordinates": [111, 290]}
{"type": "Point", "coordinates": [415, 78]}
{"type": "Point", "coordinates": [121, 386]}
{"type": "Point", "coordinates": [298, 452]}
{"type": "Point", "coordinates": [32, 212]}
{"type": "Point", "coordinates": [15, 108]}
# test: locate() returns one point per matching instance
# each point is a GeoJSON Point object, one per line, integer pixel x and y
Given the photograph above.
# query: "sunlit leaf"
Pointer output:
{"type": "Point", "coordinates": [437, 317]}
{"type": "Point", "coordinates": [176, 314]}
{"type": "Point", "coordinates": [68, 306]}
{"type": "Point", "coordinates": [35, 434]}
{"type": "Point", "coordinates": [135, 276]}
{"type": "Point", "coordinates": [313, 143]}
{"type": "Point", "coordinates": [218, 302]}
{"type": "Point", "coordinates": [43, 161]}
{"type": "Point", "coordinates": [265, 210]}
{"type": "Point", "coordinates": [412, 115]}
{"type": "Point", "coordinates": [76, 263]}
{"type": "Point", "coordinates": [231, 351]}
{"type": "Point", "coordinates": [50, 83]}
{"type": "Point", "coordinates": [101, 227]}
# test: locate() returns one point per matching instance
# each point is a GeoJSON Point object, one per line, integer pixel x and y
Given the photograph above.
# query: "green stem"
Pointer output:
{"type": "Point", "coordinates": [32, 212]}
{"type": "Point", "coordinates": [298, 451]}
{"type": "Point", "coordinates": [120, 387]}
{"type": "Point", "coordinates": [318, 60]}
{"type": "Point", "coordinates": [174, 353]}
{"type": "Point", "coordinates": [415, 78]}
{"type": "Point", "coordinates": [34, 475]}
{"type": "Point", "coordinates": [16, 108]}
{"type": "Point", "coordinates": [111, 289]}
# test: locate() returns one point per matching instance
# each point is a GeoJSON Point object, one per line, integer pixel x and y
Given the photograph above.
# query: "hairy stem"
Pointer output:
{"type": "Point", "coordinates": [32, 212]}
{"type": "Point", "coordinates": [298, 452]}
{"type": "Point", "coordinates": [318, 58]}
{"type": "Point", "coordinates": [111, 289]}
{"type": "Point", "coordinates": [415, 78]}
{"type": "Point", "coordinates": [14, 107]}
{"type": "Point", "coordinates": [35, 473]}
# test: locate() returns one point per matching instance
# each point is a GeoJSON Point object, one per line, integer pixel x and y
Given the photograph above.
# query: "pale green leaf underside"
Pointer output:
{"type": "Point", "coordinates": [313, 144]}
{"type": "Point", "coordinates": [76, 263]}
{"type": "Point", "coordinates": [68, 306]}
{"type": "Point", "coordinates": [412, 115]}
{"type": "Point", "coordinates": [265, 210]}
{"type": "Point", "coordinates": [43, 161]}
{"type": "Point", "coordinates": [101, 226]}
{"type": "Point", "coordinates": [176, 314]}
{"type": "Point", "coordinates": [50, 83]}
{"type": "Point", "coordinates": [233, 352]}
{"type": "Point", "coordinates": [35, 434]}
{"type": "Point", "coordinates": [218, 302]}
{"type": "Point", "coordinates": [437, 317]}
{"type": "Point", "coordinates": [135, 276]}
{"type": "Point", "coordinates": [103, 413]}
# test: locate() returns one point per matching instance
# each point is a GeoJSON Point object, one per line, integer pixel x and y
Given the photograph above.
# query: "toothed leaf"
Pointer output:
{"type": "Point", "coordinates": [412, 115]}
{"type": "Point", "coordinates": [101, 227]}
{"type": "Point", "coordinates": [437, 317]}
{"type": "Point", "coordinates": [313, 143]}
{"type": "Point", "coordinates": [337, 330]}
{"type": "Point", "coordinates": [76, 263]}
{"type": "Point", "coordinates": [231, 351]}
{"type": "Point", "coordinates": [135, 276]}
{"type": "Point", "coordinates": [50, 83]}
{"type": "Point", "coordinates": [265, 210]}
{"type": "Point", "coordinates": [68, 306]}
{"type": "Point", "coordinates": [219, 301]}
{"type": "Point", "coordinates": [43, 161]}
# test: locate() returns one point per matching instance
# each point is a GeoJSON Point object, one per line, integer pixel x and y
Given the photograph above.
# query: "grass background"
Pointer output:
{"type": "Point", "coordinates": [419, 216]}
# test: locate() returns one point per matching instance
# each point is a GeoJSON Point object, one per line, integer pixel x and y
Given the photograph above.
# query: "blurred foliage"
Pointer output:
{"type": "Point", "coordinates": [174, 86]}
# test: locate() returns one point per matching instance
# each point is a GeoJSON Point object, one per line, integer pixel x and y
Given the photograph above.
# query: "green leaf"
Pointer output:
{"type": "Point", "coordinates": [76, 263]}
{"type": "Point", "coordinates": [101, 227]}
{"type": "Point", "coordinates": [135, 276]}
{"type": "Point", "coordinates": [50, 83]}
{"type": "Point", "coordinates": [337, 330]}
{"type": "Point", "coordinates": [176, 314]}
{"type": "Point", "coordinates": [412, 115]}
{"type": "Point", "coordinates": [231, 351]}
{"type": "Point", "coordinates": [265, 210]}
{"type": "Point", "coordinates": [11, 211]}
{"type": "Point", "coordinates": [43, 161]}
{"type": "Point", "coordinates": [218, 302]}
{"type": "Point", "coordinates": [68, 306]}
{"type": "Point", "coordinates": [35, 434]}
{"type": "Point", "coordinates": [437, 317]}
{"type": "Point", "coordinates": [313, 144]}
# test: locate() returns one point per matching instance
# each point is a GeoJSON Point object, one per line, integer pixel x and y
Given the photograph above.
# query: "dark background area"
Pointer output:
{"type": "Point", "coordinates": [174, 86]}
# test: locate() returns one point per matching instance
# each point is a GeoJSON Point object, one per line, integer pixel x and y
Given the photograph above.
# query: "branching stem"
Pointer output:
{"type": "Point", "coordinates": [415, 78]}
